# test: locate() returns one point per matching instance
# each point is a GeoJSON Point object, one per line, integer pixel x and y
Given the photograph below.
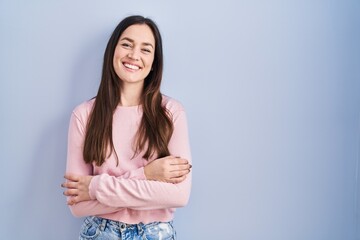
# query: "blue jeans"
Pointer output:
{"type": "Point", "coordinates": [97, 228]}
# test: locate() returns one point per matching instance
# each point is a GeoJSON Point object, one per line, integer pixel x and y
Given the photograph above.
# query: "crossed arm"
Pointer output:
{"type": "Point", "coordinates": [163, 183]}
{"type": "Point", "coordinates": [168, 169]}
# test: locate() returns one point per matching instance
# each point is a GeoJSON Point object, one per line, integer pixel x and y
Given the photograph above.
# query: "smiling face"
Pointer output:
{"type": "Point", "coordinates": [134, 54]}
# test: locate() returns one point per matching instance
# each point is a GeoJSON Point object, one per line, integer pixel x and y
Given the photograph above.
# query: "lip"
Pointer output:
{"type": "Point", "coordinates": [131, 63]}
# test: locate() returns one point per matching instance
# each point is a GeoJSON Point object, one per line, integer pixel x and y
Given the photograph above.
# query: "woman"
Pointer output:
{"type": "Point", "coordinates": [128, 160]}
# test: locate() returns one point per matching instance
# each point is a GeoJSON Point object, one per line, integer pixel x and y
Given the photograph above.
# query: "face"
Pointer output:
{"type": "Point", "coordinates": [134, 54]}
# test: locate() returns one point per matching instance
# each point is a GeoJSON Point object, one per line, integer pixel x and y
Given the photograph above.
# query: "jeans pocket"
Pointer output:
{"type": "Point", "coordinates": [159, 230]}
{"type": "Point", "coordinates": [90, 229]}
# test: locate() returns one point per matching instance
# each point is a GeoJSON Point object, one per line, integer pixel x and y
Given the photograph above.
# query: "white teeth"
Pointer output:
{"type": "Point", "coordinates": [131, 66]}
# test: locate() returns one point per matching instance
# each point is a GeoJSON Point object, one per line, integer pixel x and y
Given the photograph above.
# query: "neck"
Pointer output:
{"type": "Point", "coordinates": [130, 95]}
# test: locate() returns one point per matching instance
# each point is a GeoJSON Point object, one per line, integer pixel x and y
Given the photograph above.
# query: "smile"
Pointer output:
{"type": "Point", "coordinates": [130, 66]}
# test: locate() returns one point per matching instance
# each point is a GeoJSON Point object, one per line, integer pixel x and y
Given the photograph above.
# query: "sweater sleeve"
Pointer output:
{"type": "Point", "coordinates": [144, 194]}
{"type": "Point", "coordinates": [76, 165]}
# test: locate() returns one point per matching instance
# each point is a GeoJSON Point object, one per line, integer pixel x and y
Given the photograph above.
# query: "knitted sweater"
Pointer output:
{"type": "Point", "coordinates": [121, 192]}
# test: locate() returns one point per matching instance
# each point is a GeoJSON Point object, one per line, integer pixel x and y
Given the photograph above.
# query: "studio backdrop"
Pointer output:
{"type": "Point", "coordinates": [272, 94]}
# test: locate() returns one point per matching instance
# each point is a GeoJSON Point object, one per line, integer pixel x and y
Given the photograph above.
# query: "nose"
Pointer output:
{"type": "Point", "coordinates": [134, 54]}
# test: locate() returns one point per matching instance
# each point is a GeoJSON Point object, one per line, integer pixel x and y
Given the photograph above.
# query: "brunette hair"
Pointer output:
{"type": "Point", "coordinates": [156, 125]}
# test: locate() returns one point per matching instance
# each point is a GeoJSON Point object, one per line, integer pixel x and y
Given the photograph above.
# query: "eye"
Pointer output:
{"type": "Point", "coordinates": [126, 45]}
{"type": "Point", "coordinates": [146, 50]}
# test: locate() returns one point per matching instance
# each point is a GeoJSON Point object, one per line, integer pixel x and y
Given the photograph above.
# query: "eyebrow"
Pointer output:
{"type": "Point", "coordinates": [132, 41]}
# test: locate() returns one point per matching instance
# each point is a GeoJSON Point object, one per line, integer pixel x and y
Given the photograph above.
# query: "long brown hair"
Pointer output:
{"type": "Point", "coordinates": [156, 125]}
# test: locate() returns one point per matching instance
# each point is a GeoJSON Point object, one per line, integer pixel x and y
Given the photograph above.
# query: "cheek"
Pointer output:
{"type": "Point", "coordinates": [117, 60]}
{"type": "Point", "coordinates": [118, 54]}
{"type": "Point", "coordinates": [150, 62]}
{"type": "Point", "coordinates": [115, 64]}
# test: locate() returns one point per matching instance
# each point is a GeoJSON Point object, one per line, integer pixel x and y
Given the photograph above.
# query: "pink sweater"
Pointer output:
{"type": "Point", "coordinates": [122, 192]}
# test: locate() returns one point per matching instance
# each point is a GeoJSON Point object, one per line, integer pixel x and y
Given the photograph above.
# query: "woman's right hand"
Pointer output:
{"type": "Point", "coordinates": [167, 169]}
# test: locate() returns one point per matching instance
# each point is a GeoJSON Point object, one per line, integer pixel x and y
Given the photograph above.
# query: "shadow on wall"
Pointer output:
{"type": "Point", "coordinates": [357, 185]}
{"type": "Point", "coordinates": [46, 213]}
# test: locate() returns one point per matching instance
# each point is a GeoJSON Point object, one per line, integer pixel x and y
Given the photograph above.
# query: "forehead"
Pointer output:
{"type": "Point", "coordinates": [140, 33]}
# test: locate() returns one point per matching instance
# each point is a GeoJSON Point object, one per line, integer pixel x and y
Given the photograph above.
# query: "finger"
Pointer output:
{"type": "Point", "coordinates": [71, 201]}
{"type": "Point", "coordinates": [71, 192]}
{"type": "Point", "coordinates": [179, 161]}
{"type": "Point", "coordinates": [78, 198]}
{"type": "Point", "coordinates": [178, 179]}
{"type": "Point", "coordinates": [180, 167]}
{"type": "Point", "coordinates": [69, 185]}
{"type": "Point", "coordinates": [72, 177]}
{"type": "Point", "coordinates": [180, 173]}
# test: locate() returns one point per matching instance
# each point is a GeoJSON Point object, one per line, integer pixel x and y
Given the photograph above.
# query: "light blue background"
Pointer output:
{"type": "Point", "coordinates": [271, 90]}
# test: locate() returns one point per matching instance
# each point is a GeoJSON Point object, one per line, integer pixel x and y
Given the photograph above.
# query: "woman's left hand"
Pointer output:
{"type": "Point", "coordinates": [77, 188]}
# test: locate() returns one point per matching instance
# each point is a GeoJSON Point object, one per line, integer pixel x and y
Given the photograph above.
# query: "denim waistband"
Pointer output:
{"type": "Point", "coordinates": [117, 226]}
